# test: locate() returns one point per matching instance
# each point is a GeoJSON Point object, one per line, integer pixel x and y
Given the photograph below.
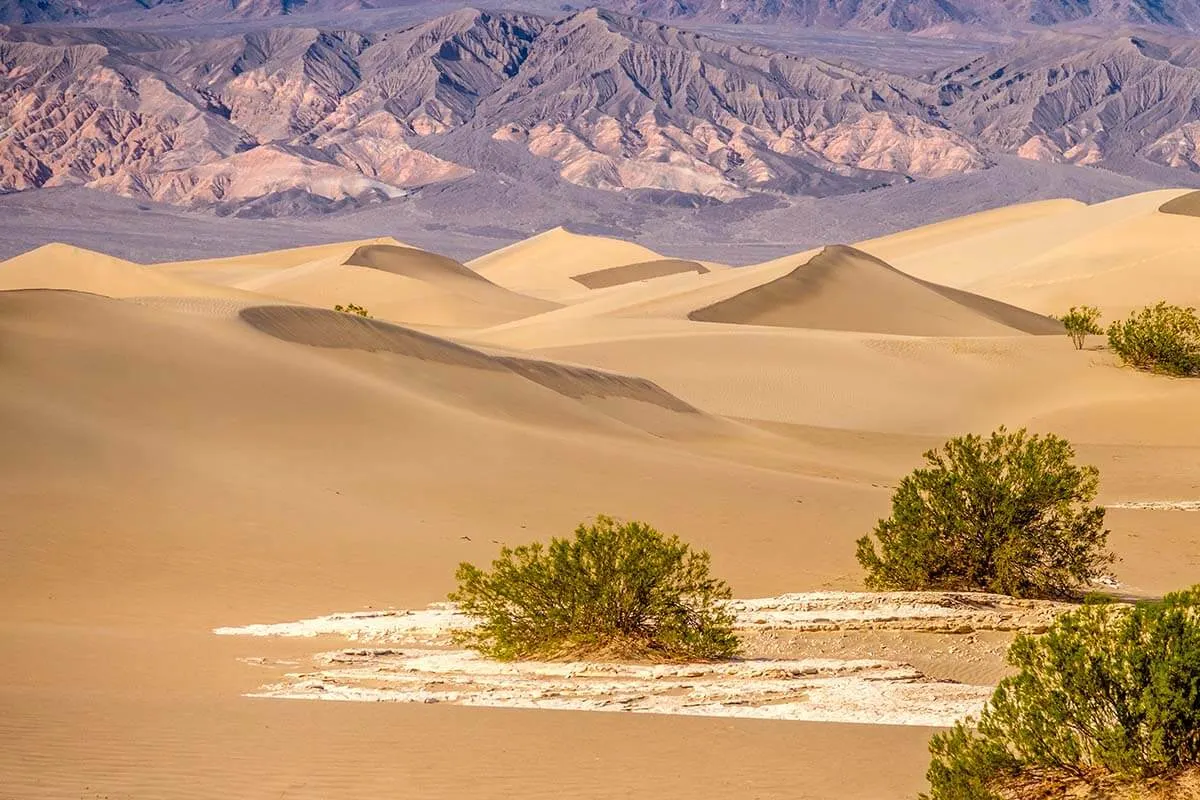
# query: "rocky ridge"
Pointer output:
{"type": "Point", "coordinates": [916, 15]}
{"type": "Point", "coordinates": [289, 119]}
{"type": "Point", "coordinates": [618, 103]}
{"type": "Point", "coordinates": [887, 15]}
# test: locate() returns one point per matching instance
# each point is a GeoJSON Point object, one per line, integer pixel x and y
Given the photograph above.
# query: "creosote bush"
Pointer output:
{"type": "Point", "coordinates": [1162, 338]}
{"type": "Point", "coordinates": [352, 309]}
{"type": "Point", "coordinates": [617, 590]}
{"type": "Point", "coordinates": [1081, 322]}
{"type": "Point", "coordinates": [1110, 692]}
{"type": "Point", "coordinates": [1010, 514]}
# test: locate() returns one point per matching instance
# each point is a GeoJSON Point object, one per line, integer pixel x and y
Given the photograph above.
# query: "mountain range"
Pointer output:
{"type": "Point", "coordinates": [915, 15]}
{"type": "Point", "coordinates": [291, 118]}
{"type": "Point", "coordinates": [898, 15]}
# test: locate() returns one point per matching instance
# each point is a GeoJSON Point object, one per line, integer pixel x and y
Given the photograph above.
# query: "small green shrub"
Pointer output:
{"type": "Point", "coordinates": [1162, 338]}
{"type": "Point", "coordinates": [1010, 514]}
{"type": "Point", "coordinates": [1111, 691]}
{"type": "Point", "coordinates": [1081, 322]}
{"type": "Point", "coordinates": [352, 309]}
{"type": "Point", "coordinates": [617, 590]}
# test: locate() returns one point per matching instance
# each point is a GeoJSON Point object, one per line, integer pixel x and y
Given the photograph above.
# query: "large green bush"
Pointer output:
{"type": "Point", "coordinates": [1162, 338]}
{"type": "Point", "coordinates": [1010, 514]}
{"type": "Point", "coordinates": [617, 590]}
{"type": "Point", "coordinates": [1111, 691]}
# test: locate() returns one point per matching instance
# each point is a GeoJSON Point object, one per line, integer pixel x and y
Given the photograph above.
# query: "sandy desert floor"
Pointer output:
{"type": "Point", "coordinates": [199, 445]}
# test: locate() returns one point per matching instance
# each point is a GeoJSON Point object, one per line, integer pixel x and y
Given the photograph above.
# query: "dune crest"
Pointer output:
{"type": "Point", "coordinates": [842, 288]}
{"type": "Point", "coordinates": [63, 266]}
{"type": "Point", "coordinates": [395, 282]}
{"type": "Point", "coordinates": [545, 265]}
{"type": "Point", "coordinates": [321, 328]}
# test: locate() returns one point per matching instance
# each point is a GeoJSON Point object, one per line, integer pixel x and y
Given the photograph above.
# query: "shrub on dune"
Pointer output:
{"type": "Point", "coordinates": [1162, 338]}
{"type": "Point", "coordinates": [1111, 694]}
{"type": "Point", "coordinates": [357, 310]}
{"type": "Point", "coordinates": [1010, 514]}
{"type": "Point", "coordinates": [1081, 322]}
{"type": "Point", "coordinates": [617, 590]}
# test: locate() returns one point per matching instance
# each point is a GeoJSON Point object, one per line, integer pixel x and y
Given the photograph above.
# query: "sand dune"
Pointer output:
{"type": "Point", "coordinates": [630, 273]}
{"type": "Point", "coordinates": [545, 265]}
{"type": "Point", "coordinates": [1118, 255]}
{"type": "Point", "coordinates": [220, 448]}
{"type": "Point", "coordinates": [411, 263]}
{"type": "Point", "coordinates": [956, 229]}
{"type": "Point", "coordinates": [1121, 267]}
{"type": "Point", "coordinates": [232, 269]}
{"type": "Point", "coordinates": [845, 289]}
{"type": "Point", "coordinates": [399, 284]}
{"type": "Point", "coordinates": [61, 266]}
{"type": "Point", "coordinates": [321, 328]}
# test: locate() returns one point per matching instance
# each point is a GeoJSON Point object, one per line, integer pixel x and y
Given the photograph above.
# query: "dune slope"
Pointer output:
{"type": "Point", "coordinates": [400, 284]}
{"type": "Point", "coordinates": [62, 266]}
{"type": "Point", "coordinates": [321, 328]}
{"type": "Point", "coordinates": [1188, 205]}
{"type": "Point", "coordinates": [545, 265]}
{"type": "Point", "coordinates": [846, 289]}
{"type": "Point", "coordinates": [631, 273]}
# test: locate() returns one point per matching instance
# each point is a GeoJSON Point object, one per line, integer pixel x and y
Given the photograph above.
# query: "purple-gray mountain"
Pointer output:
{"type": "Point", "coordinates": [914, 15]}
{"type": "Point", "coordinates": [284, 119]}
{"type": "Point", "coordinates": [898, 15]}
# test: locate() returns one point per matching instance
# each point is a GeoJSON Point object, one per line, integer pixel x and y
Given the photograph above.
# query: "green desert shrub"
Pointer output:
{"type": "Point", "coordinates": [617, 590]}
{"type": "Point", "coordinates": [352, 309]}
{"type": "Point", "coordinates": [1080, 323]}
{"type": "Point", "coordinates": [1011, 514]}
{"type": "Point", "coordinates": [1109, 692]}
{"type": "Point", "coordinates": [1162, 338]}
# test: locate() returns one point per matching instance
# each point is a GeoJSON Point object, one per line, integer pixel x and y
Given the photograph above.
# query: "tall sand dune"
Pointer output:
{"type": "Point", "coordinates": [400, 284]}
{"type": "Point", "coordinates": [846, 289]}
{"type": "Point", "coordinates": [545, 265]}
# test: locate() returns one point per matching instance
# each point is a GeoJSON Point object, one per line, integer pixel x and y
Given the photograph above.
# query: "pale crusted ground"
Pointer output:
{"type": "Point", "coordinates": [414, 661]}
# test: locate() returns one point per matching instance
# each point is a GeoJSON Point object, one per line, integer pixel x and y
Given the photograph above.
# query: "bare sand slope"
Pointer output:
{"type": "Point", "coordinates": [846, 289]}
{"type": "Point", "coordinates": [232, 269]}
{"type": "Point", "coordinates": [956, 229]}
{"type": "Point", "coordinates": [597, 389]}
{"type": "Point", "coordinates": [400, 284]}
{"type": "Point", "coordinates": [1119, 268]}
{"type": "Point", "coordinates": [61, 266]}
{"type": "Point", "coordinates": [545, 265]}
{"type": "Point", "coordinates": [1118, 255]}
{"type": "Point", "coordinates": [663, 299]}
{"type": "Point", "coordinates": [631, 273]}
{"type": "Point", "coordinates": [852, 381]}
{"type": "Point", "coordinates": [167, 473]}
